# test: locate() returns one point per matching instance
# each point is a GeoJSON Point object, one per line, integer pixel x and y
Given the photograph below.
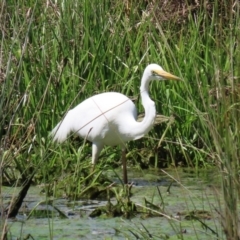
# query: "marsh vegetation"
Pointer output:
{"type": "Point", "coordinates": [55, 54]}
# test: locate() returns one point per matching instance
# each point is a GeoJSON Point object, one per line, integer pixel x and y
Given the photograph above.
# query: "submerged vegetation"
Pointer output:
{"type": "Point", "coordinates": [55, 54]}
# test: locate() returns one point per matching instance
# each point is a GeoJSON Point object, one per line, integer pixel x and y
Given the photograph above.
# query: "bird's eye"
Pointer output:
{"type": "Point", "coordinates": [154, 73]}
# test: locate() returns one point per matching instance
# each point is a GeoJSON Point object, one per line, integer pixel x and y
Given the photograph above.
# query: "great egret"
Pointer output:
{"type": "Point", "coordinates": [111, 118]}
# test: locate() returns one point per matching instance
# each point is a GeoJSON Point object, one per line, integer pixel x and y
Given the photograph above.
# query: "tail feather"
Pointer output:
{"type": "Point", "coordinates": [61, 131]}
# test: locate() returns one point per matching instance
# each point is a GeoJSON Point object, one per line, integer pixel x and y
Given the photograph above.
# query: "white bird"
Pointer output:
{"type": "Point", "coordinates": [111, 118]}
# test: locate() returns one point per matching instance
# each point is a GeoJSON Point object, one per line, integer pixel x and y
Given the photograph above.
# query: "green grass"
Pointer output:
{"type": "Point", "coordinates": [55, 55]}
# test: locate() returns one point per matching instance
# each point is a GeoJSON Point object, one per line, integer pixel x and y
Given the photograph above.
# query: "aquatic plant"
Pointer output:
{"type": "Point", "coordinates": [55, 54]}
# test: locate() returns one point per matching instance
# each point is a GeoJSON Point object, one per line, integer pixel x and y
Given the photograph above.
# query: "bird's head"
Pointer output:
{"type": "Point", "coordinates": [155, 72]}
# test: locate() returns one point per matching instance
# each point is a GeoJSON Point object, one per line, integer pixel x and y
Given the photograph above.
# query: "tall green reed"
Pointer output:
{"type": "Point", "coordinates": [56, 54]}
{"type": "Point", "coordinates": [214, 99]}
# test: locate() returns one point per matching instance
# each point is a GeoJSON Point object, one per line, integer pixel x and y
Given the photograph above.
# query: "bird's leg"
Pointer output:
{"type": "Point", "coordinates": [124, 164]}
{"type": "Point", "coordinates": [96, 149]}
{"type": "Point", "coordinates": [92, 168]}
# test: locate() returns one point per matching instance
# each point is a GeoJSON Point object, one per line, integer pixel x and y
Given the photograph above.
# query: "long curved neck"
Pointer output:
{"type": "Point", "coordinates": [143, 127]}
{"type": "Point", "coordinates": [150, 113]}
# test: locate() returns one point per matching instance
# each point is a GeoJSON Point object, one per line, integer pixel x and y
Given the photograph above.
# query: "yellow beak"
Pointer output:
{"type": "Point", "coordinates": [167, 75]}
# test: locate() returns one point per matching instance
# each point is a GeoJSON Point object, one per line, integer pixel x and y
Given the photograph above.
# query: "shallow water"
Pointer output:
{"type": "Point", "coordinates": [189, 191]}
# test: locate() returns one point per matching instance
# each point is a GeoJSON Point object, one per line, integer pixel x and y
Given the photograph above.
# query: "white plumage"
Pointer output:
{"type": "Point", "coordinates": [111, 118]}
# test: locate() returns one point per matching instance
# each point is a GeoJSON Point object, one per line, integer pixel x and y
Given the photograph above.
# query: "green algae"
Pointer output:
{"type": "Point", "coordinates": [165, 209]}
